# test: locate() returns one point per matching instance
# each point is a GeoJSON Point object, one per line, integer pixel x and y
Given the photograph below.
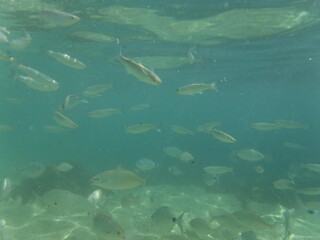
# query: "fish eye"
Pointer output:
{"type": "Point", "coordinates": [174, 219]}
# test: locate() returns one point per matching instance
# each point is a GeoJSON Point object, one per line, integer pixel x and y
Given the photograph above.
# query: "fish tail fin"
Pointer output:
{"type": "Point", "coordinates": [214, 86]}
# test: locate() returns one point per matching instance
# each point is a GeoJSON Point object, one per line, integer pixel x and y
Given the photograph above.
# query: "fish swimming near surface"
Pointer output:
{"type": "Point", "coordinates": [142, 73]}
{"type": "Point", "coordinates": [196, 88]}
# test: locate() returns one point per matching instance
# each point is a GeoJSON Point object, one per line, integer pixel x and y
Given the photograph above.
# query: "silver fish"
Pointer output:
{"type": "Point", "coordinates": [140, 72]}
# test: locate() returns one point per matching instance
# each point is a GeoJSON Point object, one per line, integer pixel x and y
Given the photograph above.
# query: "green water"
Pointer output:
{"type": "Point", "coordinates": [263, 58]}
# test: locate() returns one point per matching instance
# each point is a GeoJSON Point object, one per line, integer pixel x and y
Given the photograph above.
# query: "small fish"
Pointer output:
{"type": "Point", "coordinates": [202, 227]}
{"type": "Point", "coordinates": [72, 101]}
{"type": "Point", "coordinates": [290, 124]}
{"type": "Point", "coordinates": [312, 167]}
{"type": "Point", "coordinates": [35, 84]}
{"type": "Point", "coordinates": [140, 72]}
{"type": "Point", "coordinates": [64, 167]}
{"type": "Point", "coordinates": [6, 187]}
{"type": "Point", "coordinates": [222, 136]}
{"type": "Point", "coordinates": [311, 191]}
{"type": "Point", "coordinates": [5, 127]}
{"type": "Point", "coordinates": [173, 151]}
{"type": "Point", "coordinates": [101, 113]}
{"type": "Point", "coordinates": [46, 83]}
{"type": "Point", "coordinates": [20, 43]}
{"type": "Point", "coordinates": [164, 62]}
{"type": "Point", "coordinates": [294, 145]}
{"type": "Point", "coordinates": [259, 169]}
{"type": "Point", "coordinates": [14, 100]}
{"type": "Point", "coordinates": [53, 129]}
{"type": "Point", "coordinates": [208, 126]}
{"type": "Point", "coordinates": [95, 197]}
{"type": "Point", "coordinates": [283, 184]}
{"type": "Point", "coordinates": [181, 130]}
{"type": "Point", "coordinates": [33, 170]}
{"type": "Point", "coordinates": [217, 170]}
{"type": "Point", "coordinates": [105, 227]}
{"type": "Point", "coordinates": [264, 126]}
{"type": "Point", "coordinates": [140, 128]}
{"type": "Point", "coordinates": [250, 154]}
{"type": "Point", "coordinates": [55, 18]}
{"type": "Point", "coordinates": [63, 120]}
{"type": "Point", "coordinates": [196, 88]}
{"type": "Point", "coordinates": [139, 107]}
{"type": "Point", "coordinates": [3, 36]}
{"type": "Point", "coordinates": [186, 157]}
{"type": "Point", "coordinates": [94, 37]}
{"type": "Point", "coordinates": [67, 60]}
{"type": "Point", "coordinates": [94, 91]}
{"type": "Point", "coordinates": [5, 57]}
{"type": "Point", "coordinates": [117, 179]}
{"type": "Point", "coordinates": [164, 220]}
{"type": "Point", "coordinates": [145, 164]}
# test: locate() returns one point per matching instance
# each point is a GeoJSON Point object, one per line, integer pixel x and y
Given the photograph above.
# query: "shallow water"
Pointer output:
{"type": "Point", "coordinates": [263, 58]}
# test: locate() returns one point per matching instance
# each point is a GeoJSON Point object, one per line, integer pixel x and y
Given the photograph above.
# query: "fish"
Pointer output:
{"type": "Point", "coordinates": [217, 170]}
{"type": "Point", "coordinates": [33, 170]}
{"type": "Point", "coordinates": [6, 57]}
{"type": "Point", "coordinates": [164, 219]}
{"type": "Point", "coordinates": [311, 191]}
{"type": "Point", "coordinates": [101, 113]}
{"type": "Point", "coordinates": [20, 43]}
{"type": "Point", "coordinates": [6, 187]}
{"type": "Point", "coordinates": [140, 128]}
{"type": "Point", "coordinates": [3, 35]}
{"type": "Point", "coordinates": [45, 82]}
{"type": "Point", "coordinates": [106, 228]}
{"type": "Point", "coordinates": [290, 124]}
{"type": "Point", "coordinates": [259, 169]}
{"type": "Point", "coordinates": [94, 91]}
{"type": "Point", "coordinates": [72, 101]}
{"type": "Point", "coordinates": [14, 100]}
{"type": "Point", "coordinates": [208, 126]}
{"type": "Point", "coordinates": [142, 73]}
{"type": "Point", "coordinates": [64, 167]}
{"type": "Point", "coordinates": [222, 136]}
{"type": "Point", "coordinates": [94, 37]}
{"type": "Point", "coordinates": [250, 154]}
{"type": "Point", "coordinates": [5, 127]}
{"type": "Point", "coordinates": [95, 197]}
{"type": "Point", "coordinates": [172, 151]}
{"type": "Point", "coordinates": [35, 84]}
{"type": "Point", "coordinates": [139, 107]}
{"type": "Point", "coordinates": [67, 60]}
{"type": "Point", "coordinates": [55, 18]}
{"type": "Point", "coordinates": [53, 129]}
{"type": "Point", "coordinates": [283, 184]}
{"type": "Point", "coordinates": [196, 88]}
{"type": "Point", "coordinates": [63, 120]}
{"type": "Point", "coordinates": [145, 164]}
{"type": "Point", "coordinates": [202, 227]}
{"type": "Point", "coordinates": [294, 145]}
{"type": "Point", "coordinates": [186, 157]}
{"type": "Point", "coordinates": [164, 62]}
{"type": "Point", "coordinates": [181, 130]}
{"type": "Point", "coordinates": [312, 167]}
{"type": "Point", "coordinates": [117, 179]}
{"type": "Point", "coordinates": [264, 126]}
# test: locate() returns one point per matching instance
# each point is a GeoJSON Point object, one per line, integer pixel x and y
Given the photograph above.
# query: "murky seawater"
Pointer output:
{"type": "Point", "coordinates": [167, 120]}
